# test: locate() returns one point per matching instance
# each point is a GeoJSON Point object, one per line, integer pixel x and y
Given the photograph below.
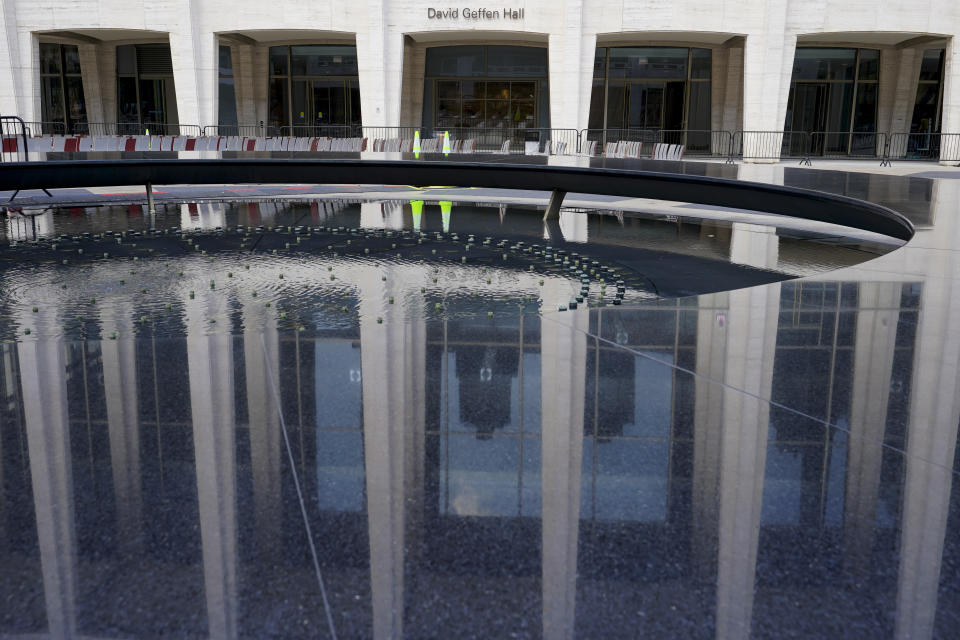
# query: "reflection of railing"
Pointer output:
{"type": "Point", "coordinates": [692, 189]}
{"type": "Point", "coordinates": [13, 133]}
{"type": "Point", "coordinates": [136, 129]}
{"type": "Point", "coordinates": [847, 144]}
{"type": "Point", "coordinates": [924, 146]}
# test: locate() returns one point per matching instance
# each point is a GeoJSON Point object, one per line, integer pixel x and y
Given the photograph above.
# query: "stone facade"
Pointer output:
{"type": "Point", "coordinates": [754, 42]}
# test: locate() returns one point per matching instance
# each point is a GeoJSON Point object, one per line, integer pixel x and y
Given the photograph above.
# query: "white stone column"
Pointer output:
{"type": "Point", "coordinates": [751, 343]}
{"type": "Point", "coordinates": [210, 367]}
{"type": "Point", "coordinates": [571, 54]}
{"type": "Point", "coordinates": [873, 351]}
{"type": "Point", "coordinates": [380, 67]}
{"type": "Point", "coordinates": [244, 81]}
{"type": "Point", "coordinates": [123, 423]}
{"type": "Point", "coordinates": [414, 67]}
{"type": "Point", "coordinates": [932, 429]}
{"type": "Point", "coordinates": [107, 62]}
{"type": "Point", "coordinates": [563, 348]}
{"type": "Point", "coordinates": [10, 53]}
{"type": "Point", "coordinates": [393, 377]}
{"type": "Point", "coordinates": [43, 380]}
{"type": "Point", "coordinates": [899, 75]}
{"type": "Point", "coordinates": [193, 51]}
{"type": "Point", "coordinates": [261, 96]}
{"type": "Point", "coordinates": [261, 356]}
{"type": "Point", "coordinates": [951, 94]}
{"type": "Point", "coordinates": [767, 69]}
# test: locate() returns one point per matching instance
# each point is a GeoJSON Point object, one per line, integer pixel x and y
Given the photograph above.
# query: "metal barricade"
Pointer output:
{"type": "Point", "coordinates": [848, 144]}
{"type": "Point", "coordinates": [260, 130]}
{"type": "Point", "coordinates": [944, 147]}
{"type": "Point", "coordinates": [319, 131]}
{"type": "Point", "coordinates": [13, 134]}
{"type": "Point", "coordinates": [603, 137]}
{"type": "Point", "coordinates": [38, 129]}
{"type": "Point", "coordinates": [771, 145]}
{"type": "Point", "coordinates": [699, 142]}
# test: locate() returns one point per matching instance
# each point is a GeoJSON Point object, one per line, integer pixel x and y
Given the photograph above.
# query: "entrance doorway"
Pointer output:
{"type": "Point", "coordinates": [324, 102]}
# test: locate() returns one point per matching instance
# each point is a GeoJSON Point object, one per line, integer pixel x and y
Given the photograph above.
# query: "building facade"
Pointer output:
{"type": "Point", "coordinates": [840, 68]}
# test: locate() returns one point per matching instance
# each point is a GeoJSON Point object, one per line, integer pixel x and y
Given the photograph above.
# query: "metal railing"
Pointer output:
{"type": "Point", "coordinates": [136, 129]}
{"type": "Point", "coordinates": [847, 144]}
{"type": "Point", "coordinates": [260, 130]}
{"type": "Point", "coordinates": [13, 136]}
{"type": "Point", "coordinates": [944, 147]}
{"type": "Point", "coordinates": [771, 145]}
{"type": "Point", "coordinates": [603, 137]}
{"type": "Point", "coordinates": [38, 129]}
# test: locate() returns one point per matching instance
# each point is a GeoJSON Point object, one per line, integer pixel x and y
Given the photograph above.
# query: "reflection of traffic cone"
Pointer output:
{"type": "Point", "coordinates": [446, 143]}
{"type": "Point", "coordinates": [445, 214]}
{"type": "Point", "coordinates": [416, 207]}
{"type": "Point", "coordinates": [416, 143]}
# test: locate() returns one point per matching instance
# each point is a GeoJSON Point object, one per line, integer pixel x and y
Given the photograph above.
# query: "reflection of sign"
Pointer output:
{"type": "Point", "coordinates": [721, 319]}
{"type": "Point", "coordinates": [475, 14]}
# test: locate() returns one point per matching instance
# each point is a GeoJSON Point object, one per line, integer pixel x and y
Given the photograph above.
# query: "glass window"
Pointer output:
{"type": "Point", "coordinates": [600, 62]}
{"type": "Point", "coordinates": [278, 61]}
{"type": "Point", "coordinates": [869, 64]}
{"type": "Point", "coordinates": [701, 61]}
{"type": "Point", "coordinates": [931, 64]}
{"type": "Point", "coordinates": [455, 61]}
{"type": "Point", "coordinates": [648, 62]}
{"type": "Point", "coordinates": [813, 63]}
{"type": "Point", "coordinates": [514, 62]}
{"type": "Point", "coordinates": [227, 98]}
{"type": "Point", "coordinates": [126, 60]}
{"type": "Point", "coordinates": [278, 102]}
{"type": "Point", "coordinates": [71, 59]}
{"type": "Point", "coordinates": [52, 96]}
{"type": "Point", "coordinates": [865, 111]}
{"type": "Point", "coordinates": [323, 60]}
{"type": "Point", "coordinates": [49, 58]}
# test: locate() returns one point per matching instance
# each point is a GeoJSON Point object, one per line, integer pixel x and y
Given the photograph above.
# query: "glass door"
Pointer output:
{"type": "Point", "coordinates": [809, 114]}
{"type": "Point", "coordinates": [645, 105]}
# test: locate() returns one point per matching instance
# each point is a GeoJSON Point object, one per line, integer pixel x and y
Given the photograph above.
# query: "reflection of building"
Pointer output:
{"type": "Point", "coordinates": [163, 469]}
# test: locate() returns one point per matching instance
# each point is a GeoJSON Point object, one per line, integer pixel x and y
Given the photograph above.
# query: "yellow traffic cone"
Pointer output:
{"type": "Point", "coordinates": [416, 207]}
{"type": "Point", "coordinates": [445, 206]}
{"type": "Point", "coordinates": [446, 143]}
{"type": "Point", "coordinates": [416, 143]}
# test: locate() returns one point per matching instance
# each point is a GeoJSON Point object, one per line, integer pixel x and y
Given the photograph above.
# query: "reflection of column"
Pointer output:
{"type": "Point", "coordinates": [381, 215]}
{"type": "Point", "coordinates": [92, 94]}
{"type": "Point", "coordinates": [754, 245]}
{"type": "Point", "coordinates": [751, 342]}
{"type": "Point", "coordinates": [210, 364]}
{"type": "Point", "coordinates": [932, 429]}
{"type": "Point", "coordinates": [563, 348]}
{"type": "Point", "coordinates": [263, 415]}
{"type": "Point", "coordinates": [708, 427]}
{"type": "Point", "coordinates": [120, 391]}
{"type": "Point", "coordinates": [872, 368]}
{"type": "Point", "coordinates": [44, 388]}
{"type": "Point", "coordinates": [393, 370]}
